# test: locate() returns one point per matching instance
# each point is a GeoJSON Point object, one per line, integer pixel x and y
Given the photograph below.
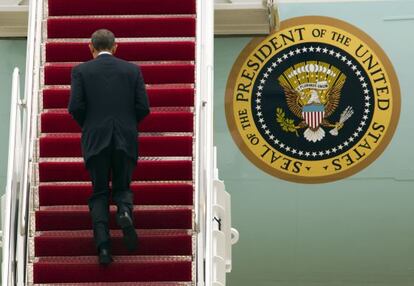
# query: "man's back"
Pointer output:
{"type": "Point", "coordinates": [111, 93]}
{"type": "Point", "coordinates": [109, 85]}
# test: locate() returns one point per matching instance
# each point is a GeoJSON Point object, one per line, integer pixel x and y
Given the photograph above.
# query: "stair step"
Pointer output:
{"type": "Point", "coordinates": [123, 269]}
{"type": "Point", "coordinates": [120, 284]}
{"type": "Point", "coordinates": [146, 170]}
{"type": "Point", "coordinates": [122, 27]}
{"type": "Point", "coordinates": [79, 218]}
{"type": "Point", "coordinates": [81, 242]}
{"type": "Point", "coordinates": [58, 74]}
{"type": "Point", "coordinates": [70, 146]}
{"type": "Point", "coordinates": [160, 38]}
{"type": "Point", "coordinates": [112, 7]}
{"type": "Point", "coordinates": [144, 194]}
{"type": "Point", "coordinates": [129, 51]}
{"type": "Point", "coordinates": [62, 121]}
{"type": "Point", "coordinates": [158, 96]}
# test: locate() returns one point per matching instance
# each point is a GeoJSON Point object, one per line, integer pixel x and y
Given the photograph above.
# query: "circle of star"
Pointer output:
{"type": "Point", "coordinates": [347, 142]}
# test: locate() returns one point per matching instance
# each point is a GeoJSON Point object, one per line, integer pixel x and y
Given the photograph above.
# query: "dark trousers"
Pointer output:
{"type": "Point", "coordinates": [100, 167]}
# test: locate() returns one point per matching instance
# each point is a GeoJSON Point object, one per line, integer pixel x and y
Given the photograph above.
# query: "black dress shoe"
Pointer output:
{"type": "Point", "coordinates": [105, 256]}
{"type": "Point", "coordinates": [125, 222]}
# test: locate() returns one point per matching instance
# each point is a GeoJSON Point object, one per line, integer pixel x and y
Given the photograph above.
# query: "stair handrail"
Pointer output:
{"type": "Point", "coordinates": [12, 183]}
{"type": "Point", "coordinates": [16, 213]}
{"type": "Point", "coordinates": [29, 133]}
{"type": "Point", "coordinates": [203, 175]}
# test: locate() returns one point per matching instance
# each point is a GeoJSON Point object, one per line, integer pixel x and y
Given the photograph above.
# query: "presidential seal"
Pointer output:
{"type": "Point", "coordinates": [314, 102]}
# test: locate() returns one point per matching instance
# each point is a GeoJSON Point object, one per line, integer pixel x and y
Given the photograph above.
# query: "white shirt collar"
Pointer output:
{"type": "Point", "coordinates": [104, 52]}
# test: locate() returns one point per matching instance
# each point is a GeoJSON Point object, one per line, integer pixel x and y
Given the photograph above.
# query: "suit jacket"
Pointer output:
{"type": "Point", "coordinates": [108, 97]}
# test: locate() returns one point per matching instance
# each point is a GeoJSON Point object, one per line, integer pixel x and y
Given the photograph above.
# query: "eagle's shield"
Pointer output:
{"type": "Point", "coordinates": [313, 114]}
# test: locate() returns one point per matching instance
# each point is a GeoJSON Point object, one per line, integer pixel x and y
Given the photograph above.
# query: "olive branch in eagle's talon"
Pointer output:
{"type": "Point", "coordinates": [288, 125]}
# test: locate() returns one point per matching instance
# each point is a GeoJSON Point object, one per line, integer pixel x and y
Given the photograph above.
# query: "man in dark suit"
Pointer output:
{"type": "Point", "coordinates": [108, 99]}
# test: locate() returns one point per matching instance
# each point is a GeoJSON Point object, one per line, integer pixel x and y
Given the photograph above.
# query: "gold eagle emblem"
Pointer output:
{"type": "Point", "coordinates": [312, 91]}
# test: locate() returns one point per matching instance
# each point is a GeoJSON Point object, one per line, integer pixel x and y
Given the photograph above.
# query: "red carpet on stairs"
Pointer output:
{"type": "Point", "coordinates": [59, 74]}
{"type": "Point", "coordinates": [120, 7]}
{"type": "Point", "coordinates": [160, 37]}
{"type": "Point", "coordinates": [159, 96]}
{"type": "Point", "coordinates": [77, 217]}
{"type": "Point", "coordinates": [147, 170]}
{"type": "Point", "coordinates": [53, 121]}
{"type": "Point", "coordinates": [57, 145]}
{"type": "Point", "coordinates": [122, 284]}
{"type": "Point", "coordinates": [137, 51]}
{"type": "Point", "coordinates": [57, 269]}
{"type": "Point", "coordinates": [80, 242]}
{"type": "Point", "coordinates": [144, 193]}
{"type": "Point", "coordinates": [126, 27]}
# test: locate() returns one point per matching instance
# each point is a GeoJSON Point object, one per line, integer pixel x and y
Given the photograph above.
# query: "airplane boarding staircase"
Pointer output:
{"type": "Point", "coordinates": [181, 208]}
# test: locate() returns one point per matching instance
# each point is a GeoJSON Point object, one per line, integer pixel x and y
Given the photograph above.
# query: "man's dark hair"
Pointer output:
{"type": "Point", "coordinates": [103, 39]}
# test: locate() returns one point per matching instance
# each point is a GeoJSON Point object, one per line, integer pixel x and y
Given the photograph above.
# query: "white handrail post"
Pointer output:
{"type": "Point", "coordinates": [204, 138]}
{"type": "Point", "coordinates": [29, 132]}
{"type": "Point", "coordinates": [10, 203]}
